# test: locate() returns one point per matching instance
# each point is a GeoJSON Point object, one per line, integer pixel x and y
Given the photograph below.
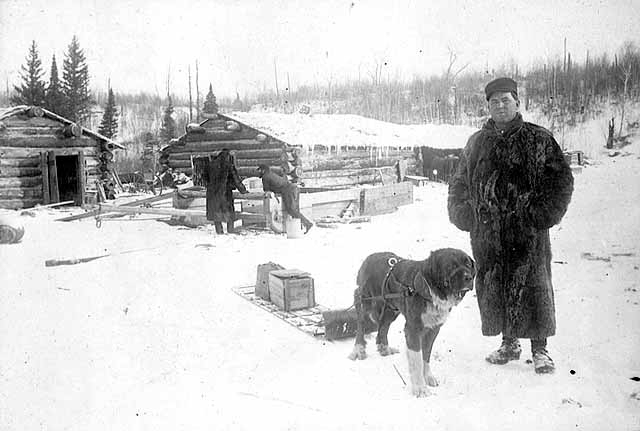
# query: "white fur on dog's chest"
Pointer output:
{"type": "Point", "coordinates": [434, 316]}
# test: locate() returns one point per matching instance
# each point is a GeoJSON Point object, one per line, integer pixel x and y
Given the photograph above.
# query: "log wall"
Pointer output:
{"type": "Point", "coordinates": [250, 146]}
{"type": "Point", "coordinates": [25, 142]}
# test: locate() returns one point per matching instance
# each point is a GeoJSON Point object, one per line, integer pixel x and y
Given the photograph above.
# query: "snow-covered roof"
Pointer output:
{"type": "Point", "coordinates": [353, 130]}
{"type": "Point", "coordinates": [22, 109]}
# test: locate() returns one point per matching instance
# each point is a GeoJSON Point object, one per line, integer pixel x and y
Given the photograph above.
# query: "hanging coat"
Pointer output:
{"type": "Point", "coordinates": [509, 189]}
{"type": "Point", "coordinates": [221, 179]}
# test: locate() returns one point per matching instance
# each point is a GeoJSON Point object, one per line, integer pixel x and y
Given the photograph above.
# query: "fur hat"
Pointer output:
{"type": "Point", "coordinates": [504, 85]}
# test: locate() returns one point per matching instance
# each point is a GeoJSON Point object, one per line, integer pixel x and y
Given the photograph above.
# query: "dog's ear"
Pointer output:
{"type": "Point", "coordinates": [421, 286]}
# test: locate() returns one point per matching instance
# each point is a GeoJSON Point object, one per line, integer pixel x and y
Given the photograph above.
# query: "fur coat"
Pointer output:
{"type": "Point", "coordinates": [221, 178]}
{"type": "Point", "coordinates": [509, 189]}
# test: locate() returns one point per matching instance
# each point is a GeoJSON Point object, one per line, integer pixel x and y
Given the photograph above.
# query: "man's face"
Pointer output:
{"type": "Point", "coordinates": [503, 107]}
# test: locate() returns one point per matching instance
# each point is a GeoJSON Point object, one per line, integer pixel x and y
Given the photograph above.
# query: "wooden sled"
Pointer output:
{"type": "Point", "coordinates": [308, 320]}
{"type": "Point", "coordinates": [318, 321]}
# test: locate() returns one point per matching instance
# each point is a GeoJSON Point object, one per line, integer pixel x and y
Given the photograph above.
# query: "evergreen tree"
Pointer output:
{"type": "Point", "coordinates": [109, 124]}
{"type": "Point", "coordinates": [31, 92]}
{"type": "Point", "coordinates": [75, 84]}
{"type": "Point", "coordinates": [53, 98]}
{"type": "Point", "coordinates": [210, 105]}
{"type": "Point", "coordinates": [168, 127]}
{"type": "Point", "coordinates": [237, 104]}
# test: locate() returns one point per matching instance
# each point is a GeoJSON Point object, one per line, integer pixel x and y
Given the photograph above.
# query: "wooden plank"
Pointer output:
{"type": "Point", "coordinates": [31, 152]}
{"type": "Point", "coordinates": [209, 146]}
{"type": "Point", "coordinates": [252, 163]}
{"type": "Point", "coordinates": [308, 199]}
{"type": "Point", "coordinates": [390, 170]}
{"type": "Point", "coordinates": [15, 204]}
{"type": "Point", "coordinates": [24, 120]}
{"type": "Point", "coordinates": [384, 199]}
{"type": "Point", "coordinates": [10, 171]}
{"type": "Point", "coordinates": [46, 194]}
{"type": "Point", "coordinates": [20, 162]}
{"type": "Point", "coordinates": [266, 153]}
{"type": "Point", "coordinates": [221, 135]}
{"type": "Point", "coordinates": [81, 179]}
{"type": "Point", "coordinates": [142, 210]}
{"type": "Point", "coordinates": [20, 182]}
{"type": "Point", "coordinates": [21, 192]}
{"type": "Point", "coordinates": [47, 142]}
{"type": "Point", "coordinates": [53, 177]}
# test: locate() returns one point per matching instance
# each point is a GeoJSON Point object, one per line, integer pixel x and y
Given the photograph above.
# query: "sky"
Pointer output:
{"type": "Point", "coordinates": [239, 45]}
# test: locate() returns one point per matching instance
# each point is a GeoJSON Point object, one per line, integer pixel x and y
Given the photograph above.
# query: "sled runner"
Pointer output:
{"type": "Point", "coordinates": [308, 320]}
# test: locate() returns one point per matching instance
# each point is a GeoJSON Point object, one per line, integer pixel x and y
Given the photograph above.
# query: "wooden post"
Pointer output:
{"type": "Point", "coordinates": [53, 177]}
{"type": "Point", "coordinates": [45, 178]}
{"type": "Point", "coordinates": [81, 180]}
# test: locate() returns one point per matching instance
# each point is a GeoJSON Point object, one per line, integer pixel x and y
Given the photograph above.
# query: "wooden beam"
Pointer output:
{"type": "Point", "coordinates": [10, 171]}
{"type": "Point", "coordinates": [46, 193]}
{"type": "Point", "coordinates": [20, 162]}
{"type": "Point", "coordinates": [144, 201]}
{"type": "Point", "coordinates": [21, 192]}
{"type": "Point", "coordinates": [16, 204]}
{"type": "Point", "coordinates": [46, 142]}
{"type": "Point", "coordinates": [81, 179]}
{"type": "Point", "coordinates": [142, 210]}
{"type": "Point", "coordinates": [92, 150]}
{"type": "Point", "coordinates": [267, 153]}
{"type": "Point", "coordinates": [240, 144]}
{"type": "Point", "coordinates": [21, 182]}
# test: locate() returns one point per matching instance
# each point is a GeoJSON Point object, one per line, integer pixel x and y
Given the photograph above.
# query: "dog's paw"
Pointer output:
{"type": "Point", "coordinates": [420, 391]}
{"type": "Point", "coordinates": [385, 350]}
{"type": "Point", "coordinates": [429, 378]}
{"type": "Point", "coordinates": [359, 352]}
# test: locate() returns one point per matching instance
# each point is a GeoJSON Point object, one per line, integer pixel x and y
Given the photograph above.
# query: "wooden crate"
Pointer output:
{"type": "Point", "coordinates": [262, 279]}
{"type": "Point", "coordinates": [291, 289]}
{"type": "Point", "coordinates": [385, 199]}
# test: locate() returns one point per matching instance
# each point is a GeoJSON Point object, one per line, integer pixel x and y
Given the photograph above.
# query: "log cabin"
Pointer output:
{"type": "Point", "coordinates": [250, 147]}
{"type": "Point", "coordinates": [47, 159]}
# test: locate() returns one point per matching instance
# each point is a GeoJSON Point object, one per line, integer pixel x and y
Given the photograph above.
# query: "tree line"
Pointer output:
{"type": "Point", "coordinates": [560, 88]}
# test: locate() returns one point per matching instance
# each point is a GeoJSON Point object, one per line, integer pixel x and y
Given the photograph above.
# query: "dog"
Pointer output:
{"type": "Point", "coordinates": [423, 291]}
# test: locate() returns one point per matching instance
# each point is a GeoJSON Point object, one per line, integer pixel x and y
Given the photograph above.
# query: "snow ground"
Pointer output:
{"type": "Point", "coordinates": [156, 339]}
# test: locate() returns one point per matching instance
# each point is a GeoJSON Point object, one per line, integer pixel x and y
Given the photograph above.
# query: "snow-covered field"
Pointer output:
{"type": "Point", "coordinates": [156, 340]}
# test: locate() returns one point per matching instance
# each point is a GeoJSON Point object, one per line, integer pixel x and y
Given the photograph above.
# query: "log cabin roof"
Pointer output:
{"type": "Point", "coordinates": [342, 131]}
{"type": "Point", "coordinates": [23, 109]}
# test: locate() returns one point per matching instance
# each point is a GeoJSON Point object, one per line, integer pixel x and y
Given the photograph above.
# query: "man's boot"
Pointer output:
{"type": "Point", "coordinates": [230, 227]}
{"type": "Point", "coordinates": [509, 351]}
{"type": "Point", "coordinates": [542, 362]}
{"type": "Point", "coordinates": [218, 226]}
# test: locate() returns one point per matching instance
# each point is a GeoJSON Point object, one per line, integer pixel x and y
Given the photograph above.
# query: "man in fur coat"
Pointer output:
{"type": "Point", "coordinates": [221, 178]}
{"type": "Point", "coordinates": [511, 186]}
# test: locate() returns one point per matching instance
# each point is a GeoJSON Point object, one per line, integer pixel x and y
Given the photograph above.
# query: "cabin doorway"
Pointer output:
{"type": "Point", "coordinates": [67, 170]}
{"type": "Point", "coordinates": [63, 178]}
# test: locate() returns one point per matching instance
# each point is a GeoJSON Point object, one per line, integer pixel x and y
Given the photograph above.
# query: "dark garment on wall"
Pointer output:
{"type": "Point", "coordinates": [510, 187]}
{"type": "Point", "coordinates": [221, 179]}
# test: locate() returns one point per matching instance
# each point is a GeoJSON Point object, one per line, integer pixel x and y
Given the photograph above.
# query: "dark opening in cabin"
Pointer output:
{"type": "Point", "coordinates": [67, 177]}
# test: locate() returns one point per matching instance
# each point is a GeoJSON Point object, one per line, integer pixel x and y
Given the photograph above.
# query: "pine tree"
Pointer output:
{"type": "Point", "coordinates": [168, 127]}
{"type": "Point", "coordinates": [109, 124]}
{"type": "Point", "coordinates": [75, 84]}
{"type": "Point", "coordinates": [53, 98]}
{"type": "Point", "coordinates": [237, 104]}
{"type": "Point", "coordinates": [210, 105]}
{"type": "Point", "coordinates": [31, 92]}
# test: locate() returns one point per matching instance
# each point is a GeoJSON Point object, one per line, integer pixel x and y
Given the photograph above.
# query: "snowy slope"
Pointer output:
{"type": "Point", "coordinates": [156, 340]}
{"type": "Point", "coordinates": [347, 130]}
